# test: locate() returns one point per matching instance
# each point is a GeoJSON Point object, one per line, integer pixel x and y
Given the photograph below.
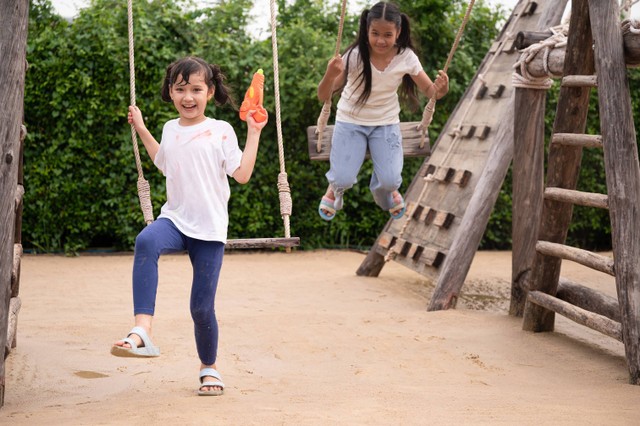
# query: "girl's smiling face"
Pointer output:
{"type": "Point", "coordinates": [190, 98]}
{"type": "Point", "coordinates": [382, 36]}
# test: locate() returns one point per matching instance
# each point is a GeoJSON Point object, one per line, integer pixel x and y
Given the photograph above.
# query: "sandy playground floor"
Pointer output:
{"type": "Point", "coordinates": [304, 341]}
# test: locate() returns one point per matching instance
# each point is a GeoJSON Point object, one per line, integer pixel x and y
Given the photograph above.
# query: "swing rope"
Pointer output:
{"type": "Point", "coordinates": [283, 185]}
{"type": "Point", "coordinates": [144, 191]}
{"type": "Point", "coordinates": [323, 119]}
{"type": "Point", "coordinates": [427, 115]}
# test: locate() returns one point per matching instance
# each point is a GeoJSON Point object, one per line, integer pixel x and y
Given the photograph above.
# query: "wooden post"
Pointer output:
{"type": "Point", "coordinates": [528, 188]}
{"type": "Point", "coordinates": [622, 170]}
{"type": "Point", "coordinates": [458, 260]}
{"type": "Point", "coordinates": [13, 44]}
{"type": "Point", "coordinates": [563, 166]}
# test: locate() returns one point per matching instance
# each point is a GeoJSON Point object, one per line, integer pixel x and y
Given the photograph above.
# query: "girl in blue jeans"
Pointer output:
{"type": "Point", "coordinates": [196, 154]}
{"type": "Point", "coordinates": [373, 67]}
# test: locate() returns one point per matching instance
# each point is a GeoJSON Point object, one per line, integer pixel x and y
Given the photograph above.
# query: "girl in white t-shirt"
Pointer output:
{"type": "Point", "coordinates": [373, 67]}
{"type": "Point", "coordinates": [196, 154]}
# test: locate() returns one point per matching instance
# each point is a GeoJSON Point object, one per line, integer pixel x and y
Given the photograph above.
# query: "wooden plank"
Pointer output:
{"type": "Point", "coordinates": [584, 257]}
{"type": "Point", "coordinates": [563, 164]}
{"type": "Point", "coordinates": [588, 199]}
{"type": "Point", "coordinates": [588, 299]}
{"type": "Point", "coordinates": [474, 155]}
{"type": "Point", "coordinates": [256, 243]}
{"type": "Point", "coordinates": [411, 141]}
{"type": "Point", "coordinates": [622, 168]}
{"type": "Point", "coordinates": [472, 226]}
{"type": "Point", "coordinates": [594, 321]}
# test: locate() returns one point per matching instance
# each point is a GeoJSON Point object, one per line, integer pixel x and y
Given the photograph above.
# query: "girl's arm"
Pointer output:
{"type": "Point", "coordinates": [250, 153]}
{"type": "Point", "coordinates": [428, 88]}
{"type": "Point", "coordinates": [151, 145]}
{"type": "Point", "coordinates": [332, 79]}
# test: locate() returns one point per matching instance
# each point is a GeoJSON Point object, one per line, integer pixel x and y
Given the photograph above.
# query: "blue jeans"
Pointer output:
{"type": "Point", "coordinates": [348, 149]}
{"type": "Point", "coordinates": [162, 237]}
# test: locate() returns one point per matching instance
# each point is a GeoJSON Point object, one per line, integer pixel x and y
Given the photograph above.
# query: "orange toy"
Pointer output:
{"type": "Point", "coordinates": [253, 99]}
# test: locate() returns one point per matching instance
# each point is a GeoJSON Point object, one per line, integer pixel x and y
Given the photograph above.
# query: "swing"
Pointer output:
{"type": "Point", "coordinates": [144, 193]}
{"type": "Point", "coordinates": [413, 133]}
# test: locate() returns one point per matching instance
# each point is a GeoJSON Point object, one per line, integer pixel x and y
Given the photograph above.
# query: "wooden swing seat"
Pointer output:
{"type": "Point", "coordinates": [411, 139]}
{"type": "Point", "coordinates": [257, 243]}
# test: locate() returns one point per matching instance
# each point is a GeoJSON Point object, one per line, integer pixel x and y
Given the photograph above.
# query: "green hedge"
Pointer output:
{"type": "Point", "coordinates": [80, 173]}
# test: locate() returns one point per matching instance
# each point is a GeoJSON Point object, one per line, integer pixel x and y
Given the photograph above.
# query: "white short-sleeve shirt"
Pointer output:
{"type": "Point", "coordinates": [196, 161]}
{"type": "Point", "coordinates": [382, 107]}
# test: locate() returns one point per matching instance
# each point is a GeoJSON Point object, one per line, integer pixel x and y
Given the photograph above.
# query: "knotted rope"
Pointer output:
{"type": "Point", "coordinates": [283, 184]}
{"type": "Point", "coordinates": [524, 79]}
{"type": "Point", "coordinates": [144, 192]}
{"type": "Point", "coordinates": [427, 114]}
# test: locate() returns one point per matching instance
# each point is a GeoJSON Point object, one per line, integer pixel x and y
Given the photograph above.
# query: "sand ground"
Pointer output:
{"type": "Point", "coordinates": [304, 341]}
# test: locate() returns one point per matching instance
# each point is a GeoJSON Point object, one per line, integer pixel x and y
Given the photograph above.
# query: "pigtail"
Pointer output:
{"type": "Point", "coordinates": [362, 42]}
{"type": "Point", "coordinates": [408, 90]}
{"type": "Point", "coordinates": [166, 84]}
{"type": "Point", "coordinates": [221, 93]}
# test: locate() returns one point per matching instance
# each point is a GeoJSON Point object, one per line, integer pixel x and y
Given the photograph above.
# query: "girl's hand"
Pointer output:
{"type": "Point", "coordinates": [441, 84]}
{"type": "Point", "coordinates": [135, 117]}
{"type": "Point", "coordinates": [253, 124]}
{"type": "Point", "coordinates": [335, 67]}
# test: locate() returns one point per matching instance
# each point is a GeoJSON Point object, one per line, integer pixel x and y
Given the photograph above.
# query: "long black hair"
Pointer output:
{"type": "Point", "coordinates": [389, 12]}
{"type": "Point", "coordinates": [212, 74]}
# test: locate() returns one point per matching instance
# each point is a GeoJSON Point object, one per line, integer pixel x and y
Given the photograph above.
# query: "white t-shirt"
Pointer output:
{"type": "Point", "coordinates": [196, 161]}
{"type": "Point", "coordinates": [382, 107]}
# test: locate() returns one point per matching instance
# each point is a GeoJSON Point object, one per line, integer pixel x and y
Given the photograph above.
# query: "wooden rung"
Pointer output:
{"type": "Point", "coordinates": [411, 141]}
{"type": "Point", "coordinates": [497, 91]}
{"type": "Point", "coordinates": [576, 139]}
{"type": "Point", "coordinates": [431, 257]}
{"type": "Point", "coordinates": [15, 272]}
{"type": "Point", "coordinates": [594, 321]}
{"type": "Point", "coordinates": [509, 46]}
{"type": "Point", "coordinates": [482, 91]}
{"type": "Point", "coordinates": [413, 250]}
{"type": "Point", "coordinates": [495, 46]}
{"type": "Point", "coordinates": [583, 257]}
{"type": "Point", "coordinates": [580, 81]}
{"type": "Point", "coordinates": [461, 177]}
{"type": "Point", "coordinates": [443, 219]}
{"type": "Point", "coordinates": [589, 199]}
{"type": "Point", "coordinates": [588, 299]}
{"type": "Point", "coordinates": [484, 132]}
{"type": "Point", "coordinates": [443, 174]}
{"type": "Point", "coordinates": [530, 8]}
{"type": "Point", "coordinates": [386, 240]}
{"type": "Point", "coordinates": [12, 324]}
{"type": "Point", "coordinates": [467, 131]}
{"type": "Point", "coordinates": [253, 243]}
{"type": "Point", "coordinates": [19, 196]}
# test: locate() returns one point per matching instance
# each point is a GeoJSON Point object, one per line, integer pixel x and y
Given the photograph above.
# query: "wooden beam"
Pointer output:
{"type": "Point", "coordinates": [574, 139]}
{"type": "Point", "coordinates": [594, 321]}
{"type": "Point", "coordinates": [622, 167]}
{"type": "Point", "coordinates": [12, 327]}
{"type": "Point", "coordinates": [583, 257]}
{"type": "Point", "coordinates": [563, 164]}
{"type": "Point", "coordinates": [588, 299]}
{"type": "Point", "coordinates": [588, 199]}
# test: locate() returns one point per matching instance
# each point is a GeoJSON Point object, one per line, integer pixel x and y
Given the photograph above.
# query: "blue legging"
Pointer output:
{"type": "Point", "coordinates": [162, 237]}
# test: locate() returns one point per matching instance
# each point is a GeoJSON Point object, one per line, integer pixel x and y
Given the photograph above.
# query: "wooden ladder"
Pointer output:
{"type": "Point", "coordinates": [594, 58]}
